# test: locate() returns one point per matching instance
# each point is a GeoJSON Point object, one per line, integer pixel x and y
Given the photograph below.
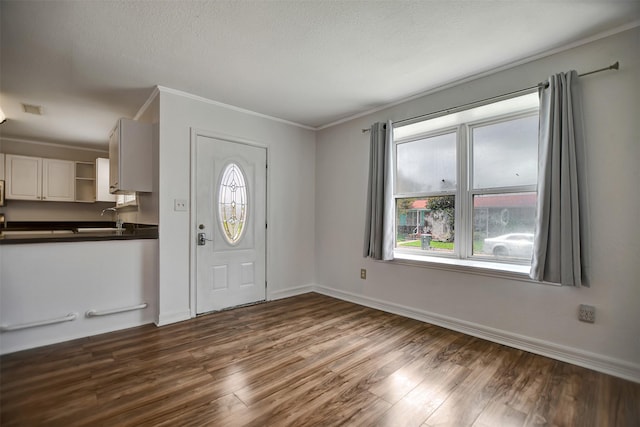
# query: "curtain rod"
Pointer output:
{"type": "Point", "coordinates": [615, 66]}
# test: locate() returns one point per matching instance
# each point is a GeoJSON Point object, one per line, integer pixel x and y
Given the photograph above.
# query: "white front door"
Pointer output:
{"type": "Point", "coordinates": [230, 223]}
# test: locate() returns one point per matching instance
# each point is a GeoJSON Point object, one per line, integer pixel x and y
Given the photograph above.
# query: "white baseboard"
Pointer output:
{"type": "Point", "coordinates": [289, 292]}
{"type": "Point", "coordinates": [176, 316]}
{"type": "Point", "coordinates": [586, 359]}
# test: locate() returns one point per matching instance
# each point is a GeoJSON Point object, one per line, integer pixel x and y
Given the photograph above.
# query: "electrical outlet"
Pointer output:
{"type": "Point", "coordinates": [587, 313]}
{"type": "Point", "coordinates": [179, 205]}
{"type": "Point", "coordinates": [363, 273]}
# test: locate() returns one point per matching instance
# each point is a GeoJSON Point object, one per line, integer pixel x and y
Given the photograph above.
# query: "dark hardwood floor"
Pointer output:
{"type": "Point", "coordinates": [303, 361]}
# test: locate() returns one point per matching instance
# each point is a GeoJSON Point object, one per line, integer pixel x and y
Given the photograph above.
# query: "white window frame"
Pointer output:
{"type": "Point", "coordinates": [126, 199]}
{"type": "Point", "coordinates": [492, 190]}
{"type": "Point", "coordinates": [462, 123]}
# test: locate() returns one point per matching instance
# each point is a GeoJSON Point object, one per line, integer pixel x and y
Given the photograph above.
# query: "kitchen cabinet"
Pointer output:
{"type": "Point", "coordinates": [58, 180]}
{"type": "Point", "coordinates": [23, 177]}
{"type": "Point", "coordinates": [92, 181]}
{"type": "Point", "coordinates": [130, 157]}
{"type": "Point", "coordinates": [35, 178]}
{"type": "Point", "coordinates": [2, 221]}
{"type": "Point", "coordinates": [85, 180]}
{"type": "Point", "coordinates": [102, 181]}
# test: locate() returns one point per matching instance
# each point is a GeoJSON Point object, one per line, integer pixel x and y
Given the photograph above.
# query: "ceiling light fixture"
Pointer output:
{"type": "Point", "coordinates": [3, 118]}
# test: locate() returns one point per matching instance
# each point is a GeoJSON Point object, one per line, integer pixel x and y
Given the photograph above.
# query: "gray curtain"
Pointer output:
{"type": "Point", "coordinates": [560, 243]}
{"type": "Point", "coordinates": [379, 221]}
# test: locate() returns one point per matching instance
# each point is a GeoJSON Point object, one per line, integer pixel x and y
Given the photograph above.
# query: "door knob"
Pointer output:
{"type": "Point", "coordinates": [202, 239]}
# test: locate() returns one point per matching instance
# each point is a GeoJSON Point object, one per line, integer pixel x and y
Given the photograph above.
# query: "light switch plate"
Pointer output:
{"type": "Point", "coordinates": [179, 204]}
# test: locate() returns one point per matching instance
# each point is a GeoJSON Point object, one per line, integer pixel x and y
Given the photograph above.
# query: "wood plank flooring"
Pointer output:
{"type": "Point", "coordinates": [309, 360]}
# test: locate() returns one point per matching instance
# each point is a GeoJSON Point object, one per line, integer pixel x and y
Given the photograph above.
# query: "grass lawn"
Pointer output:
{"type": "Point", "coordinates": [434, 244]}
{"type": "Point", "coordinates": [477, 245]}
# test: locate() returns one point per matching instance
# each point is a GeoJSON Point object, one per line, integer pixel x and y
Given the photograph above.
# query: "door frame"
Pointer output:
{"type": "Point", "coordinates": [195, 133]}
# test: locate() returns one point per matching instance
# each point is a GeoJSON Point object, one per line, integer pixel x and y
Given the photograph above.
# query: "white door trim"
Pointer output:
{"type": "Point", "coordinates": [195, 133]}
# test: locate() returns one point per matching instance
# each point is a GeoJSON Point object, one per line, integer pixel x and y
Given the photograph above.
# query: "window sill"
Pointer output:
{"type": "Point", "coordinates": [477, 267]}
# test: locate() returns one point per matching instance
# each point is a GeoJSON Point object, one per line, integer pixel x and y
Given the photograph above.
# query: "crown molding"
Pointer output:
{"type": "Point", "coordinates": [231, 107]}
{"type": "Point", "coordinates": [52, 144]}
{"type": "Point", "coordinates": [154, 93]}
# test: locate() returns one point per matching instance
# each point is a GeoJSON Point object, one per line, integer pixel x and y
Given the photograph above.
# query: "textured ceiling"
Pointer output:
{"type": "Point", "coordinates": [309, 62]}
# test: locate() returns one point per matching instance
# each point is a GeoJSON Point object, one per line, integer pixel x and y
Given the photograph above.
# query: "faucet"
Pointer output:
{"type": "Point", "coordinates": [119, 222]}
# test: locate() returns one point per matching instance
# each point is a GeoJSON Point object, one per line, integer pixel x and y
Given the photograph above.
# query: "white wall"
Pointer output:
{"type": "Point", "coordinates": [290, 189]}
{"type": "Point", "coordinates": [530, 315]}
{"type": "Point", "coordinates": [74, 277]}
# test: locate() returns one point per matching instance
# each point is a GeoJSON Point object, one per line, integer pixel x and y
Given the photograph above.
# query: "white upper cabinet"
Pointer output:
{"type": "Point", "coordinates": [58, 180]}
{"type": "Point", "coordinates": [34, 178]}
{"type": "Point", "coordinates": [130, 156]}
{"type": "Point", "coordinates": [102, 181]}
{"type": "Point", "coordinates": [85, 182]}
{"type": "Point", "coordinates": [23, 177]}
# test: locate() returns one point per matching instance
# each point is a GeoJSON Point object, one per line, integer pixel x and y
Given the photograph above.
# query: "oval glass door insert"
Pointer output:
{"type": "Point", "coordinates": [232, 202]}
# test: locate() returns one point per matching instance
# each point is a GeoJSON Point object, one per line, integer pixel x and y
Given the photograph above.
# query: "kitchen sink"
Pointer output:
{"type": "Point", "coordinates": [34, 232]}
{"type": "Point", "coordinates": [96, 229]}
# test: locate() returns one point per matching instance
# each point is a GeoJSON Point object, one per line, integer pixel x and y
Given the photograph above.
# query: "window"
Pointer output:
{"type": "Point", "coordinates": [126, 199]}
{"type": "Point", "coordinates": [232, 202]}
{"type": "Point", "coordinates": [465, 184]}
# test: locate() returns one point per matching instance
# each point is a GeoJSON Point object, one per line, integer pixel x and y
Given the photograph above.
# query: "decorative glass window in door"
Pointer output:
{"type": "Point", "coordinates": [232, 202]}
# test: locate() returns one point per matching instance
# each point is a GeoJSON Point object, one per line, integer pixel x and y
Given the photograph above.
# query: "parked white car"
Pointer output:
{"type": "Point", "coordinates": [513, 244]}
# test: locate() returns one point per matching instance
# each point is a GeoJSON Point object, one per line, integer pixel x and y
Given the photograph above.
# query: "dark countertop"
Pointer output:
{"type": "Point", "coordinates": [49, 232]}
